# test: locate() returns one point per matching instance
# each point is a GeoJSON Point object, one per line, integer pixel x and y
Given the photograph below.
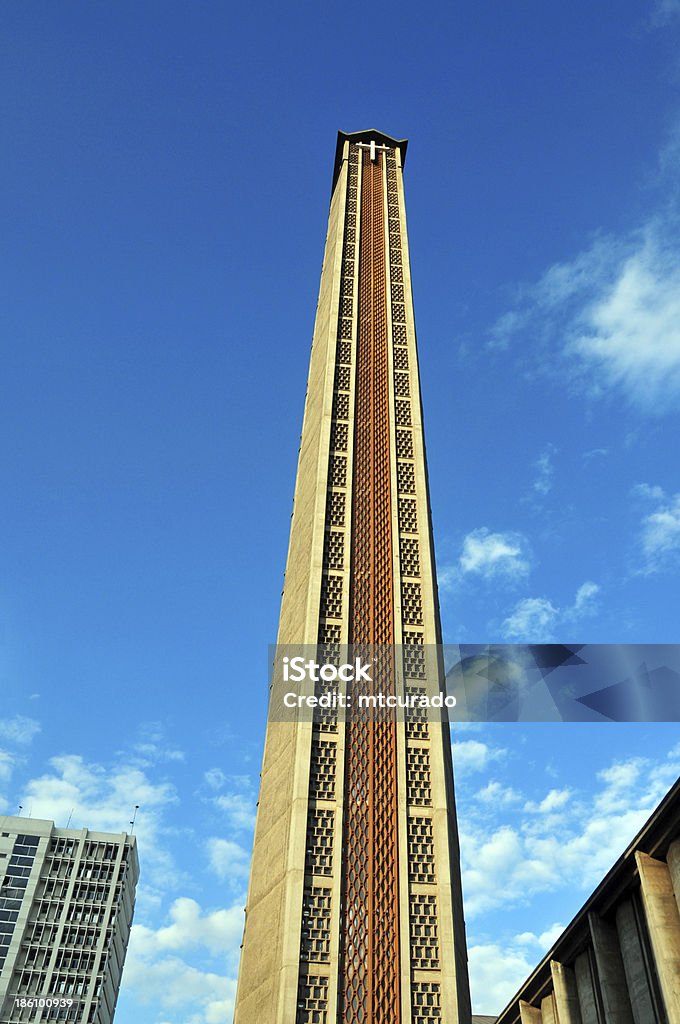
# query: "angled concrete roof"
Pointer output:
{"type": "Point", "coordinates": [366, 136]}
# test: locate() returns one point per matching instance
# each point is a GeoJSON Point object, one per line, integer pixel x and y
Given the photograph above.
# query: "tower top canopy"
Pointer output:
{"type": "Point", "coordinates": [370, 135]}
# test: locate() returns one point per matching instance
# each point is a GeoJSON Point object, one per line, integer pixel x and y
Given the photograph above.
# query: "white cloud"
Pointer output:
{"type": "Point", "coordinates": [228, 860]}
{"type": "Point", "coordinates": [473, 755]}
{"type": "Point", "coordinates": [218, 931]}
{"type": "Point", "coordinates": [555, 799]}
{"type": "Point", "coordinates": [491, 555]}
{"type": "Point", "coordinates": [103, 798]}
{"type": "Point", "coordinates": [496, 972]}
{"type": "Point", "coordinates": [215, 778]}
{"type": "Point", "coordinates": [495, 794]}
{"type": "Point", "coordinates": [239, 809]}
{"type": "Point", "coordinates": [536, 619]}
{"type": "Point", "coordinates": [545, 471]}
{"type": "Point", "coordinates": [544, 941]}
{"type": "Point", "coordinates": [566, 839]}
{"type": "Point", "coordinates": [19, 729]}
{"type": "Point", "coordinates": [171, 984]}
{"type": "Point", "coordinates": [660, 535]}
{"type": "Point", "coordinates": [7, 762]}
{"type": "Point", "coordinates": [532, 620]}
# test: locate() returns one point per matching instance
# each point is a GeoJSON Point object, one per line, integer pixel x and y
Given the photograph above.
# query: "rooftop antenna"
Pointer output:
{"type": "Point", "coordinates": [20, 809]}
{"type": "Point", "coordinates": [134, 819]}
{"type": "Point", "coordinates": [68, 823]}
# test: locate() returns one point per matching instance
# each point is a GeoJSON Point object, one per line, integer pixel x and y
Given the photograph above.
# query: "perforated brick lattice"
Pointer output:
{"type": "Point", "coordinates": [334, 550]}
{"type": "Point", "coordinates": [424, 938]}
{"type": "Point", "coordinates": [408, 515]}
{"type": "Point", "coordinates": [414, 655]}
{"type": "Point", "coordinates": [342, 378]}
{"type": "Point", "coordinates": [312, 1002]}
{"type": "Point", "coordinates": [404, 444]}
{"type": "Point", "coordinates": [336, 508]}
{"type": "Point", "coordinates": [322, 770]}
{"type": "Point", "coordinates": [426, 1002]}
{"type": "Point", "coordinates": [339, 437]}
{"type": "Point", "coordinates": [402, 385]}
{"type": "Point", "coordinates": [344, 353]}
{"type": "Point", "coordinates": [410, 556]}
{"type": "Point", "coordinates": [341, 406]}
{"type": "Point", "coordinates": [331, 597]}
{"type": "Point", "coordinates": [411, 604]}
{"type": "Point", "coordinates": [406, 479]}
{"type": "Point", "coordinates": [420, 850]}
{"type": "Point", "coordinates": [402, 412]}
{"type": "Point", "coordinates": [316, 924]}
{"type": "Point", "coordinates": [419, 790]}
{"type": "Point", "coordinates": [319, 852]}
{"type": "Point", "coordinates": [338, 472]}
{"type": "Point", "coordinates": [401, 358]}
{"type": "Point", "coordinates": [416, 717]}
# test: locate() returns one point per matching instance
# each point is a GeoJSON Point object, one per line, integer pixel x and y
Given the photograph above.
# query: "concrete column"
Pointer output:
{"type": "Point", "coordinates": [610, 972]}
{"type": "Point", "coordinates": [673, 861]}
{"type": "Point", "coordinates": [566, 994]}
{"type": "Point", "coordinates": [663, 921]}
{"type": "Point", "coordinates": [634, 965]}
{"type": "Point", "coordinates": [549, 1010]}
{"type": "Point", "coordinates": [529, 1014]}
{"type": "Point", "coordinates": [585, 987]}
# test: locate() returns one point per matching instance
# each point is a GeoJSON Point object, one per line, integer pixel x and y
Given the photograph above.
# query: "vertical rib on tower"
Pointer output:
{"type": "Point", "coordinates": [354, 909]}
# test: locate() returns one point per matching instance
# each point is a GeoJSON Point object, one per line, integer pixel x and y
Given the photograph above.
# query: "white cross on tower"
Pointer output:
{"type": "Point", "coordinates": [372, 145]}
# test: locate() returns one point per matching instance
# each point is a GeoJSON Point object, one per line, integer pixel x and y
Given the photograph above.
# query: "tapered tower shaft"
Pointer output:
{"type": "Point", "coordinates": [354, 911]}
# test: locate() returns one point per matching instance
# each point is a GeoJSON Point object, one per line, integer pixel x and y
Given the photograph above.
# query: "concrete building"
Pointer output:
{"type": "Point", "coordinates": [618, 962]}
{"type": "Point", "coordinates": [354, 910]}
{"type": "Point", "coordinates": [66, 905]}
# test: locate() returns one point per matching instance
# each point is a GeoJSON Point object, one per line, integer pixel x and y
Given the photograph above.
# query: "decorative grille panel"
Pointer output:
{"type": "Point", "coordinates": [401, 384]}
{"type": "Point", "coordinates": [404, 444]}
{"type": "Point", "coordinates": [336, 508]}
{"type": "Point", "coordinates": [426, 1002]}
{"type": "Point", "coordinates": [410, 556]}
{"type": "Point", "coordinates": [420, 850]}
{"type": "Point", "coordinates": [344, 352]}
{"type": "Point", "coordinates": [399, 333]}
{"type": "Point", "coordinates": [338, 471]}
{"type": "Point", "coordinates": [345, 329]}
{"type": "Point", "coordinates": [416, 717]}
{"type": "Point", "coordinates": [320, 827]}
{"type": "Point", "coordinates": [342, 378]}
{"type": "Point", "coordinates": [322, 770]}
{"type": "Point", "coordinates": [334, 550]}
{"type": "Point", "coordinates": [411, 604]}
{"type": "Point", "coordinates": [406, 479]}
{"type": "Point", "coordinates": [339, 437]}
{"type": "Point", "coordinates": [331, 597]}
{"type": "Point", "coordinates": [316, 924]}
{"type": "Point", "coordinates": [403, 413]}
{"type": "Point", "coordinates": [418, 777]}
{"type": "Point", "coordinates": [414, 655]}
{"type": "Point", "coordinates": [312, 1005]}
{"type": "Point", "coordinates": [401, 358]}
{"type": "Point", "coordinates": [341, 407]}
{"type": "Point", "coordinates": [408, 515]}
{"type": "Point", "coordinates": [345, 307]}
{"type": "Point", "coordinates": [424, 938]}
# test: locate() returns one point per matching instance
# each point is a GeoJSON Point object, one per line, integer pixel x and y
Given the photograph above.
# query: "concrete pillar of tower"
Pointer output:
{"type": "Point", "coordinates": [663, 922]}
{"type": "Point", "coordinates": [566, 994]}
{"type": "Point", "coordinates": [529, 1014]}
{"type": "Point", "coordinates": [549, 1010]}
{"type": "Point", "coordinates": [585, 988]}
{"type": "Point", "coordinates": [634, 965]}
{"type": "Point", "coordinates": [612, 977]}
{"type": "Point", "coordinates": [673, 861]}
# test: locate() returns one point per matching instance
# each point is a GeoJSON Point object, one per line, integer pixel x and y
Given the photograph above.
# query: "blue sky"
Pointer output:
{"type": "Point", "coordinates": [165, 179]}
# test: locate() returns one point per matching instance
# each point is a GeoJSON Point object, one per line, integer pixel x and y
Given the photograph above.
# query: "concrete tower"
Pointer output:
{"type": "Point", "coordinates": [354, 911]}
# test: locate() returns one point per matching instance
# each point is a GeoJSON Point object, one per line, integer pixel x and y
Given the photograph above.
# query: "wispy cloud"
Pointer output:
{"type": "Point", "coordinates": [545, 471]}
{"type": "Point", "coordinates": [659, 530]}
{"type": "Point", "coordinates": [609, 318]}
{"type": "Point", "coordinates": [19, 729]}
{"type": "Point", "coordinates": [536, 619]}
{"type": "Point", "coordinates": [563, 839]}
{"type": "Point", "coordinates": [488, 555]}
{"type": "Point", "coordinates": [474, 755]}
